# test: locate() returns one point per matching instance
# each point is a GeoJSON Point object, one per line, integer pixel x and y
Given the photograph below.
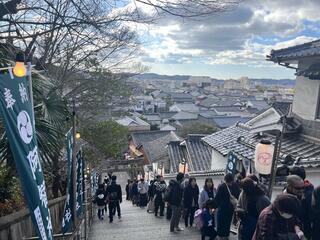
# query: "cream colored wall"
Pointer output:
{"type": "Point", "coordinates": [306, 98]}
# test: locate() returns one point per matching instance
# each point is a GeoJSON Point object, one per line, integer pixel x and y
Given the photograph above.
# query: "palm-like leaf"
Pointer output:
{"type": "Point", "coordinates": [50, 114]}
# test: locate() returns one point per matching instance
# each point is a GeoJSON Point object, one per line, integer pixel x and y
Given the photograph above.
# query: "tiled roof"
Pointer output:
{"type": "Point", "coordinates": [152, 117]}
{"type": "Point", "coordinates": [199, 153]}
{"type": "Point", "coordinates": [223, 141]}
{"type": "Point", "coordinates": [176, 154]}
{"type": "Point", "coordinates": [310, 49]}
{"type": "Point", "coordinates": [186, 107]}
{"type": "Point", "coordinates": [208, 102]}
{"type": "Point", "coordinates": [181, 96]}
{"type": "Point", "coordinates": [282, 108]}
{"type": "Point", "coordinates": [139, 138]}
{"type": "Point", "coordinates": [227, 102]}
{"type": "Point", "coordinates": [208, 114]}
{"type": "Point", "coordinates": [156, 149]}
{"type": "Point", "coordinates": [193, 150]}
{"type": "Point", "coordinates": [228, 121]}
{"type": "Point", "coordinates": [227, 108]}
{"type": "Point", "coordinates": [312, 72]}
{"type": "Point", "coordinates": [167, 115]}
{"type": "Point", "coordinates": [185, 116]}
{"type": "Point", "coordinates": [167, 127]}
{"type": "Point", "coordinates": [134, 121]}
{"type": "Point", "coordinates": [243, 143]}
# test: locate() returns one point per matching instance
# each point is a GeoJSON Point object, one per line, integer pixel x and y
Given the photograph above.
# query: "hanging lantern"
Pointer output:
{"type": "Point", "coordinates": [263, 157]}
{"type": "Point", "coordinates": [183, 168]}
{"type": "Point", "coordinates": [19, 69]}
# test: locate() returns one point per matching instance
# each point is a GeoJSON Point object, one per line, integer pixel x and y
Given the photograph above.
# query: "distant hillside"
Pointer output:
{"type": "Point", "coordinates": [258, 81]}
{"type": "Point", "coordinates": [154, 76]}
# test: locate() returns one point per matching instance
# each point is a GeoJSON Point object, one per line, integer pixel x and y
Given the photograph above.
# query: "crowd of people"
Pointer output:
{"type": "Point", "coordinates": [293, 215]}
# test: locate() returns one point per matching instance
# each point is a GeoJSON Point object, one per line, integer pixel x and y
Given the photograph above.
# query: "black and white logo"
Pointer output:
{"type": "Point", "coordinates": [25, 127]}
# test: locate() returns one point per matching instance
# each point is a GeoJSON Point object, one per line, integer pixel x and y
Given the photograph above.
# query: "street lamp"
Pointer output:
{"type": "Point", "coordinates": [161, 167]}
{"type": "Point", "coordinates": [19, 69]}
{"type": "Point", "coordinates": [183, 167]}
{"type": "Point", "coordinates": [78, 135]}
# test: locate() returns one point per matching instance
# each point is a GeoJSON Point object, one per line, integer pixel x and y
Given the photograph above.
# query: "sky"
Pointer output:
{"type": "Point", "coordinates": [231, 44]}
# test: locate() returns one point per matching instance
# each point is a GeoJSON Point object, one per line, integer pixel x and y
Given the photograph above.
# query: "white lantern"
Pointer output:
{"type": "Point", "coordinates": [263, 157]}
{"type": "Point", "coordinates": [183, 168]}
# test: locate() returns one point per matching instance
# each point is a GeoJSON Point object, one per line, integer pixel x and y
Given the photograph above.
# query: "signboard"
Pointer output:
{"type": "Point", "coordinates": [68, 208]}
{"type": "Point", "coordinates": [232, 163]}
{"type": "Point", "coordinates": [17, 112]}
{"type": "Point", "coordinates": [80, 181]}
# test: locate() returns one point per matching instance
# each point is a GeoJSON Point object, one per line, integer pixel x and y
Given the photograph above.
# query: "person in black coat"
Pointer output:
{"type": "Point", "coordinates": [190, 201]}
{"type": "Point", "coordinates": [173, 196]}
{"type": "Point", "coordinates": [128, 190]}
{"type": "Point", "coordinates": [224, 206]}
{"type": "Point", "coordinates": [316, 214]}
{"type": "Point", "coordinates": [114, 197]}
{"type": "Point", "coordinates": [100, 200]}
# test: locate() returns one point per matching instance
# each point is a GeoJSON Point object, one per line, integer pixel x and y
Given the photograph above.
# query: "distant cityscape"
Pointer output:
{"type": "Point", "coordinates": [161, 102]}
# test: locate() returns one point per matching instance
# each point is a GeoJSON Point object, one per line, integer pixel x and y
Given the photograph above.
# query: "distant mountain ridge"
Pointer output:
{"type": "Point", "coordinates": [258, 81]}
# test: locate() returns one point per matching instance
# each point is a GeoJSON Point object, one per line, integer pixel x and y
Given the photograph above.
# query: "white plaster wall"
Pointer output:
{"type": "Point", "coordinates": [218, 161]}
{"type": "Point", "coordinates": [306, 98]}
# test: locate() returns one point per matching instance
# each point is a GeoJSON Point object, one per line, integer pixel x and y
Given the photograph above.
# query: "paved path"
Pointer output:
{"type": "Point", "coordinates": [137, 224]}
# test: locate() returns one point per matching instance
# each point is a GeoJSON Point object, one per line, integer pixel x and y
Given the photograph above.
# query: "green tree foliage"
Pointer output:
{"type": "Point", "coordinates": [107, 139]}
{"type": "Point", "coordinates": [196, 128]}
{"type": "Point", "coordinates": [10, 193]}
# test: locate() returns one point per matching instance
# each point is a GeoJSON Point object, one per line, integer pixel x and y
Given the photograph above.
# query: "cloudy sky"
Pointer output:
{"type": "Point", "coordinates": [231, 44]}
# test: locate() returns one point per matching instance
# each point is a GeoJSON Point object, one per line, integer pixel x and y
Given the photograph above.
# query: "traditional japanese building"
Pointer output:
{"type": "Point", "coordinates": [301, 128]}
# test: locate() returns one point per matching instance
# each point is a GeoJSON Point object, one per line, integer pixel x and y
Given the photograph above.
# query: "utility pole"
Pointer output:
{"type": "Point", "coordinates": [276, 155]}
{"type": "Point", "coordinates": [74, 163]}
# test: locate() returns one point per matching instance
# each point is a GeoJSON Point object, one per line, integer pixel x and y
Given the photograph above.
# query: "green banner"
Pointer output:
{"type": "Point", "coordinates": [15, 105]}
{"type": "Point", "coordinates": [68, 208]}
{"type": "Point", "coordinates": [80, 180]}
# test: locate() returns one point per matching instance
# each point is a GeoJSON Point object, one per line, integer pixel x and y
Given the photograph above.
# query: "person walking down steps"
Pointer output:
{"type": "Point", "coordinates": [114, 198]}
{"type": "Point", "coordinates": [100, 200]}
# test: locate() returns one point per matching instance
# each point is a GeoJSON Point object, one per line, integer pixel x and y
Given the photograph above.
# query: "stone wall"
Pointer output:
{"type": "Point", "coordinates": [19, 224]}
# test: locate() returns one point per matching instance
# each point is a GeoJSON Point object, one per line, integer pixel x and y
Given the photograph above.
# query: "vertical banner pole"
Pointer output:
{"type": "Point", "coordinates": [29, 74]}
{"type": "Point", "coordinates": [74, 163]}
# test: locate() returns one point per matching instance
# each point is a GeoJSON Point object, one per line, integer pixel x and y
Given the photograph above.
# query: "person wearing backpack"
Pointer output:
{"type": "Point", "coordinates": [173, 196]}
{"type": "Point", "coordinates": [251, 202]}
{"type": "Point", "coordinates": [114, 196]}
{"type": "Point", "coordinates": [207, 217]}
{"type": "Point", "coordinates": [100, 200]}
{"type": "Point", "coordinates": [190, 201]}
